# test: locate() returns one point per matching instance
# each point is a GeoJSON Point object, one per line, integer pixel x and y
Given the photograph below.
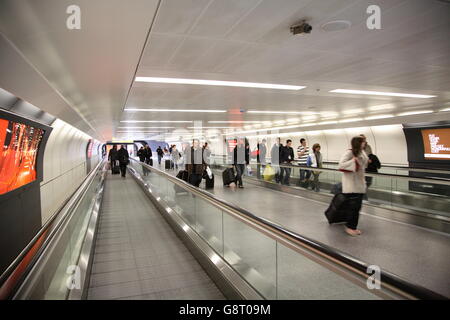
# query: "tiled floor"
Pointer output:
{"type": "Point", "coordinates": [138, 256]}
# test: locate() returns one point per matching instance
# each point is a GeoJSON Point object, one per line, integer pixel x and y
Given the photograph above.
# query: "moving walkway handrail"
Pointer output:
{"type": "Point", "coordinates": [406, 288]}
{"type": "Point", "coordinates": [383, 166]}
{"type": "Point", "coordinates": [441, 181]}
{"type": "Point", "coordinates": [18, 269]}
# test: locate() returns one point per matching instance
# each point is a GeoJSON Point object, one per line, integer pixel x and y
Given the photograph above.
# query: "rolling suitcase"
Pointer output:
{"type": "Point", "coordinates": [209, 182]}
{"type": "Point", "coordinates": [183, 175]}
{"type": "Point", "coordinates": [228, 176]}
{"type": "Point", "coordinates": [337, 212]}
{"type": "Point", "coordinates": [167, 164]}
{"type": "Point", "coordinates": [116, 170]}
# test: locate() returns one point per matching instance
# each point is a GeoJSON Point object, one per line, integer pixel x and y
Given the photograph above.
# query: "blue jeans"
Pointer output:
{"type": "Point", "coordinates": [285, 175]}
{"type": "Point", "coordinates": [304, 173]}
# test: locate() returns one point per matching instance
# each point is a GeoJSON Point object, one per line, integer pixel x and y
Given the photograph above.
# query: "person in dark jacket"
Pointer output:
{"type": "Point", "coordinates": [372, 167]}
{"type": "Point", "coordinates": [112, 157]}
{"type": "Point", "coordinates": [148, 155]}
{"type": "Point", "coordinates": [123, 156]}
{"type": "Point", "coordinates": [241, 158]}
{"type": "Point", "coordinates": [160, 153]}
{"type": "Point", "coordinates": [286, 157]}
{"type": "Point", "coordinates": [195, 164]}
{"type": "Point", "coordinates": [261, 158]}
{"type": "Point", "coordinates": [141, 154]}
{"type": "Point", "coordinates": [275, 153]}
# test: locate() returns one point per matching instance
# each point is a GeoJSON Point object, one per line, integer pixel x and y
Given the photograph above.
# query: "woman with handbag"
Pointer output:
{"type": "Point", "coordinates": [353, 164]}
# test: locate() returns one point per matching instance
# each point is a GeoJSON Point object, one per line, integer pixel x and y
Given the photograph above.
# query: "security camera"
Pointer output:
{"type": "Point", "coordinates": [303, 27]}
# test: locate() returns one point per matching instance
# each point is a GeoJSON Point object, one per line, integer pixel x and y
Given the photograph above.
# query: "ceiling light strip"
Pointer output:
{"type": "Point", "coordinates": [175, 110]}
{"type": "Point", "coordinates": [379, 93]}
{"type": "Point", "coordinates": [219, 83]}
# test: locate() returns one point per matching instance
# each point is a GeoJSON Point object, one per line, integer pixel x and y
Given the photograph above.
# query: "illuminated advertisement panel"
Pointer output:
{"type": "Point", "coordinates": [20, 144]}
{"type": "Point", "coordinates": [436, 143]}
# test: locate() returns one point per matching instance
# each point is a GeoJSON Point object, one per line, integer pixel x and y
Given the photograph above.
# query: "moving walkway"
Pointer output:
{"type": "Point", "coordinates": [242, 255]}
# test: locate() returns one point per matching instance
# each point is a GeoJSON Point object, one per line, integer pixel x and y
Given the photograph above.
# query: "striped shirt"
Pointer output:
{"type": "Point", "coordinates": [302, 159]}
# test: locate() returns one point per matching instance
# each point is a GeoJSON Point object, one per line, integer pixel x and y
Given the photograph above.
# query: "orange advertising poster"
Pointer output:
{"type": "Point", "coordinates": [20, 144]}
{"type": "Point", "coordinates": [436, 143]}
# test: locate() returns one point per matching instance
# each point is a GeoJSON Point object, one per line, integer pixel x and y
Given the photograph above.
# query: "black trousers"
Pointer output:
{"type": "Point", "coordinates": [113, 164]}
{"type": "Point", "coordinates": [195, 179]}
{"type": "Point", "coordinates": [353, 205]}
{"type": "Point", "coordinates": [123, 169]}
{"type": "Point", "coordinates": [239, 172]}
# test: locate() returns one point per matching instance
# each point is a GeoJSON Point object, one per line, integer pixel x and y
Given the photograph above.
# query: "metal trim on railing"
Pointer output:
{"type": "Point", "coordinates": [407, 289]}
{"type": "Point", "coordinates": [20, 267]}
{"type": "Point", "coordinates": [384, 166]}
{"type": "Point", "coordinates": [440, 181]}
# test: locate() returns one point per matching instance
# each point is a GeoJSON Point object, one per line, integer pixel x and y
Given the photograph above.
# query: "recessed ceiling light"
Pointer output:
{"type": "Point", "coordinates": [175, 110]}
{"type": "Point", "coordinates": [381, 116]}
{"type": "Point", "coordinates": [210, 127]}
{"type": "Point", "coordinates": [336, 25]}
{"type": "Point", "coordinates": [145, 127]}
{"type": "Point", "coordinates": [350, 120]}
{"type": "Point", "coordinates": [219, 83]}
{"type": "Point", "coordinates": [308, 124]}
{"type": "Point", "coordinates": [236, 121]}
{"type": "Point", "coordinates": [138, 131]}
{"type": "Point", "coordinates": [281, 112]}
{"type": "Point", "coordinates": [327, 122]}
{"type": "Point", "coordinates": [410, 113]}
{"type": "Point", "coordinates": [267, 129]}
{"type": "Point", "coordinates": [352, 111]}
{"type": "Point", "coordinates": [379, 93]}
{"type": "Point", "coordinates": [382, 107]}
{"type": "Point", "coordinates": [156, 121]}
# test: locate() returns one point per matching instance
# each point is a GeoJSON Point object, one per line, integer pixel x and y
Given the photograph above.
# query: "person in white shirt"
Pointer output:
{"type": "Point", "coordinates": [302, 154]}
{"type": "Point", "coordinates": [353, 163]}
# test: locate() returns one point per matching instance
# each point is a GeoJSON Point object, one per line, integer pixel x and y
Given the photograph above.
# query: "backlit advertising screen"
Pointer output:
{"type": "Point", "coordinates": [436, 143]}
{"type": "Point", "coordinates": [20, 144]}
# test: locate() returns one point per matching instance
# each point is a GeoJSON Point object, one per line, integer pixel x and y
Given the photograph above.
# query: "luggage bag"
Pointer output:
{"type": "Point", "coordinates": [209, 182]}
{"type": "Point", "coordinates": [168, 164]}
{"type": "Point", "coordinates": [228, 176]}
{"type": "Point", "coordinates": [336, 212]}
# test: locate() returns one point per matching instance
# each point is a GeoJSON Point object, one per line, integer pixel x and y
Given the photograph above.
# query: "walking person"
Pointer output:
{"type": "Point", "coordinates": [302, 154]}
{"type": "Point", "coordinates": [206, 153]}
{"type": "Point", "coordinates": [241, 158]}
{"type": "Point", "coordinates": [148, 155]}
{"type": "Point", "coordinates": [141, 154]}
{"type": "Point", "coordinates": [367, 147]}
{"type": "Point", "coordinates": [195, 164]}
{"type": "Point", "coordinates": [315, 161]}
{"type": "Point", "coordinates": [123, 160]}
{"type": "Point", "coordinates": [275, 159]}
{"type": "Point", "coordinates": [353, 164]}
{"type": "Point", "coordinates": [372, 167]}
{"type": "Point", "coordinates": [176, 155]}
{"type": "Point", "coordinates": [286, 158]}
{"type": "Point", "coordinates": [261, 157]}
{"type": "Point", "coordinates": [160, 153]}
{"type": "Point", "coordinates": [113, 157]}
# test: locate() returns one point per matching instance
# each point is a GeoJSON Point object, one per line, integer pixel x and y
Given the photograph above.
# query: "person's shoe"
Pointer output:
{"type": "Point", "coordinates": [241, 186]}
{"type": "Point", "coordinates": [353, 232]}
